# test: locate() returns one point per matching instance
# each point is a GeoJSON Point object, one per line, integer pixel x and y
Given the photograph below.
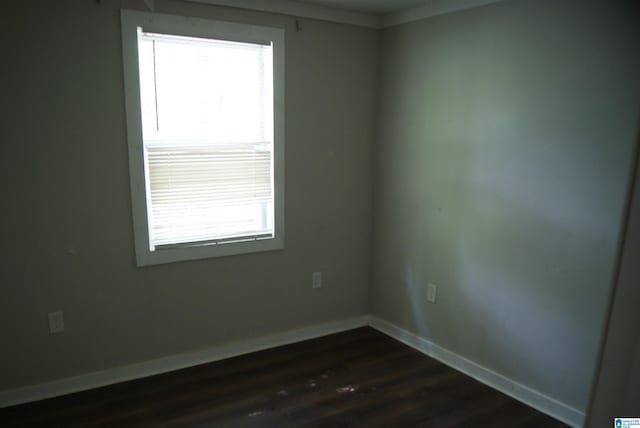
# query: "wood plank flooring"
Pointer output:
{"type": "Point", "coordinates": [359, 378]}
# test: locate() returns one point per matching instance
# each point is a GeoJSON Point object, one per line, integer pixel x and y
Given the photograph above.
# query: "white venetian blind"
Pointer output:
{"type": "Point", "coordinates": [207, 119]}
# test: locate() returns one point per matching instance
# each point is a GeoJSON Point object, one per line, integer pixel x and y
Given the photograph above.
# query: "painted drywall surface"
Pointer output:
{"type": "Point", "coordinates": [504, 148]}
{"type": "Point", "coordinates": [617, 386]}
{"type": "Point", "coordinates": [67, 240]}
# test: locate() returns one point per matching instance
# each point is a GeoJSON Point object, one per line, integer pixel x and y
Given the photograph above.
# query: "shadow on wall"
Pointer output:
{"type": "Point", "coordinates": [616, 386]}
{"type": "Point", "coordinates": [495, 256]}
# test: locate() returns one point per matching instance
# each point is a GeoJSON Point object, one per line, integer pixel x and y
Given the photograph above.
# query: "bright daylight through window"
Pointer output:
{"type": "Point", "coordinates": [205, 129]}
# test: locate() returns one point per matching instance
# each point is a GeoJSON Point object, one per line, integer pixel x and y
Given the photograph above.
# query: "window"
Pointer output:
{"type": "Point", "coordinates": [205, 127]}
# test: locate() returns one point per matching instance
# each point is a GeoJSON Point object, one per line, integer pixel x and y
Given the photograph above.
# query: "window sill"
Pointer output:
{"type": "Point", "coordinates": [185, 253]}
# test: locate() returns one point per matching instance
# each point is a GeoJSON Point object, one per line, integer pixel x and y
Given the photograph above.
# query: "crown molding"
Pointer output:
{"type": "Point", "coordinates": [302, 10]}
{"type": "Point", "coordinates": [429, 9]}
{"type": "Point", "coordinates": [324, 13]}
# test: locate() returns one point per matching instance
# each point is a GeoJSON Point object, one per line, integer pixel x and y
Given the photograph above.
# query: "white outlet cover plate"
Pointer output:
{"type": "Point", "coordinates": [432, 290]}
{"type": "Point", "coordinates": [56, 322]}
{"type": "Point", "coordinates": [316, 280]}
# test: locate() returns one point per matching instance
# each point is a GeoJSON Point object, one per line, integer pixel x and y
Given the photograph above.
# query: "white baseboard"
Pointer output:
{"type": "Point", "coordinates": [101, 378]}
{"type": "Point", "coordinates": [530, 397]}
{"type": "Point", "coordinates": [162, 365]}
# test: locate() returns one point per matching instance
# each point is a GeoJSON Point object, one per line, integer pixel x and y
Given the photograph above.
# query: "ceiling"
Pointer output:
{"type": "Point", "coordinates": [378, 7]}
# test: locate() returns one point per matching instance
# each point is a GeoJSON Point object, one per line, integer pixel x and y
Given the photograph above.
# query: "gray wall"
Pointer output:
{"type": "Point", "coordinates": [502, 162]}
{"type": "Point", "coordinates": [66, 224]}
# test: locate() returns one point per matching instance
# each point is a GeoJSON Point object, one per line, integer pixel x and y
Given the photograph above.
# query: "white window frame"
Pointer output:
{"type": "Point", "coordinates": [196, 27]}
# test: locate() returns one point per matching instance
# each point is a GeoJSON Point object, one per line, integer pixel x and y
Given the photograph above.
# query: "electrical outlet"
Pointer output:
{"type": "Point", "coordinates": [316, 280]}
{"type": "Point", "coordinates": [56, 322]}
{"type": "Point", "coordinates": [432, 290]}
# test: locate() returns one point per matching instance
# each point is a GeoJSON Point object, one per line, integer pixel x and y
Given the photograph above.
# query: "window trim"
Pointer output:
{"type": "Point", "coordinates": [198, 27]}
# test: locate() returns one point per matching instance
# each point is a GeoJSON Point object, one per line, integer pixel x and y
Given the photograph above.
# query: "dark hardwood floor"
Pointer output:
{"type": "Point", "coordinates": [360, 378]}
